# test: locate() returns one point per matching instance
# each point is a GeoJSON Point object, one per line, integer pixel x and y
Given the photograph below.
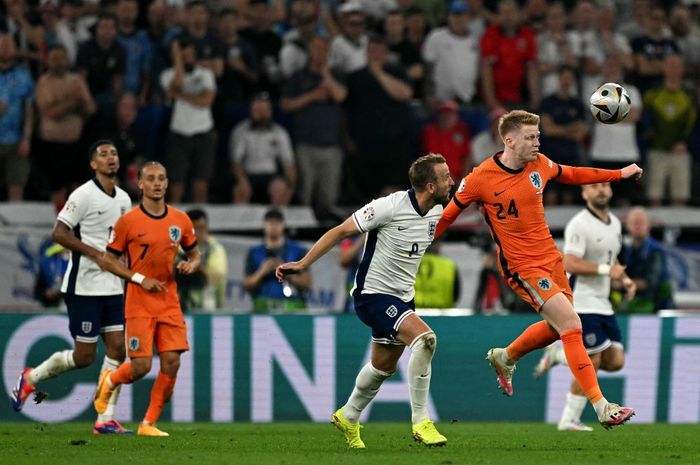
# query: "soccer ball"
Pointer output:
{"type": "Point", "coordinates": [610, 103]}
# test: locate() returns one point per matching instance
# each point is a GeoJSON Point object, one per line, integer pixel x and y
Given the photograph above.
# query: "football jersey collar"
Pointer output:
{"type": "Point", "coordinates": [97, 183]}
{"type": "Point", "coordinates": [497, 159]}
{"type": "Point", "coordinates": [155, 217]}
{"type": "Point", "coordinates": [414, 202]}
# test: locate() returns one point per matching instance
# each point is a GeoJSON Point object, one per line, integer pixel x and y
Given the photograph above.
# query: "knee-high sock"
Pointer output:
{"type": "Point", "coordinates": [580, 364]}
{"type": "Point", "coordinates": [536, 336]}
{"type": "Point", "coordinates": [367, 384]}
{"type": "Point", "coordinates": [121, 375]}
{"type": "Point", "coordinates": [419, 371]}
{"type": "Point", "coordinates": [161, 393]}
{"type": "Point", "coordinates": [573, 408]}
{"type": "Point", "coordinates": [110, 364]}
{"type": "Point", "coordinates": [56, 364]}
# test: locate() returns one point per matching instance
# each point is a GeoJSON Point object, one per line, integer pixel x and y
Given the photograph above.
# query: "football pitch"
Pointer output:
{"type": "Point", "coordinates": [320, 444]}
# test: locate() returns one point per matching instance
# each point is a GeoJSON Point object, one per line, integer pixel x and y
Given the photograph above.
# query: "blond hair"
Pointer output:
{"type": "Point", "coordinates": [514, 120]}
{"type": "Point", "coordinates": [422, 170]}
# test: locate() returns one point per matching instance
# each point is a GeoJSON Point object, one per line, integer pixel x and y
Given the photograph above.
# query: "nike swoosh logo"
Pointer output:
{"type": "Point", "coordinates": [402, 228]}
{"type": "Point", "coordinates": [100, 212]}
{"type": "Point", "coordinates": [496, 194]}
{"type": "Point", "coordinates": [581, 366]}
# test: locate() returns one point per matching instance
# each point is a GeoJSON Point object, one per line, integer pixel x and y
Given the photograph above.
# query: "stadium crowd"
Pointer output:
{"type": "Point", "coordinates": [324, 102]}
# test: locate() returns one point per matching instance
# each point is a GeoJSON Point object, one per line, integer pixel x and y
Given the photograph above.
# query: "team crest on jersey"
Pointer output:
{"type": "Point", "coordinates": [431, 229]}
{"type": "Point", "coordinates": [71, 206]}
{"type": "Point", "coordinates": [175, 233]}
{"type": "Point", "coordinates": [544, 284]}
{"type": "Point", "coordinates": [368, 213]}
{"type": "Point", "coordinates": [134, 343]}
{"type": "Point", "coordinates": [86, 326]}
{"type": "Point", "coordinates": [536, 180]}
{"type": "Point", "coordinates": [591, 339]}
{"type": "Point", "coordinates": [392, 311]}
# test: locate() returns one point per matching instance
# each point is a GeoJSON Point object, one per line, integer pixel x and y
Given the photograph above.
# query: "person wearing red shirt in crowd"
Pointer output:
{"type": "Point", "coordinates": [449, 137]}
{"type": "Point", "coordinates": [508, 60]}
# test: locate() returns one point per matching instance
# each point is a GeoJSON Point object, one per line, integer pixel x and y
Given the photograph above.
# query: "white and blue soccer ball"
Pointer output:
{"type": "Point", "coordinates": [610, 103]}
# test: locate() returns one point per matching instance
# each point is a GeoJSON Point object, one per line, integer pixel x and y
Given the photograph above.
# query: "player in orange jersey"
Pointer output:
{"type": "Point", "coordinates": [509, 189]}
{"type": "Point", "coordinates": [150, 235]}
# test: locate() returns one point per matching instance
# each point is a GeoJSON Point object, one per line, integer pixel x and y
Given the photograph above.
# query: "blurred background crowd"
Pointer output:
{"type": "Point", "coordinates": [325, 102]}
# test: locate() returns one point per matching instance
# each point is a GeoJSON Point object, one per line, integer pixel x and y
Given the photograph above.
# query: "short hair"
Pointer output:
{"type": "Point", "coordinates": [148, 164]}
{"type": "Point", "coordinates": [196, 214]}
{"type": "Point", "coordinates": [93, 148]}
{"type": "Point", "coordinates": [422, 170]}
{"type": "Point", "coordinates": [104, 16]}
{"type": "Point", "coordinates": [515, 120]}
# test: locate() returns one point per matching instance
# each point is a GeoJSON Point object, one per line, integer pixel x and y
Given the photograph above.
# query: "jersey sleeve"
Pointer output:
{"type": "Point", "coordinates": [118, 239]}
{"type": "Point", "coordinates": [74, 210]}
{"type": "Point", "coordinates": [375, 214]}
{"type": "Point", "coordinates": [574, 239]}
{"type": "Point", "coordinates": [189, 239]}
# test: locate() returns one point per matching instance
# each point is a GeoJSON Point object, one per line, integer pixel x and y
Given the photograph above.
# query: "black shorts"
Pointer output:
{"type": "Point", "coordinates": [190, 157]}
{"type": "Point", "coordinates": [600, 332]}
{"type": "Point", "coordinates": [384, 314]}
{"type": "Point", "coordinates": [89, 315]}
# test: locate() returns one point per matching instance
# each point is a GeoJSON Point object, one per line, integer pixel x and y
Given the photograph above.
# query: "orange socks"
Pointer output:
{"type": "Point", "coordinates": [580, 364]}
{"type": "Point", "coordinates": [161, 393]}
{"type": "Point", "coordinates": [536, 336]}
{"type": "Point", "coordinates": [121, 375]}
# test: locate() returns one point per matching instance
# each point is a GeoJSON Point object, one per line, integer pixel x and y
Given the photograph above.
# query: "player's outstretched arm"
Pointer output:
{"type": "Point", "coordinates": [578, 175]}
{"type": "Point", "coordinates": [112, 264]}
{"type": "Point", "coordinates": [449, 215]}
{"type": "Point", "coordinates": [329, 240]}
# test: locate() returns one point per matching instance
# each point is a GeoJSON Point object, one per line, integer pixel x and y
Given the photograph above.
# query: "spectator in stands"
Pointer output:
{"type": "Point", "coordinates": [673, 114]}
{"type": "Point", "coordinates": [137, 47]}
{"type": "Point", "coordinates": [349, 258]}
{"type": "Point", "coordinates": [267, 45]}
{"type": "Point", "coordinates": [488, 142]}
{"type": "Point", "coordinates": [493, 296]}
{"type": "Point", "coordinates": [564, 127]}
{"type": "Point", "coordinates": [687, 37]}
{"type": "Point", "coordinates": [76, 25]}
{"type": "Point", "coordinates": [622, 136]}
{"type": "Point", "coordinates": [449, 137]}
{"type": "Point", "coordinates": [210, 53]}
{"type": "Point", "coordinates": [16, 120]}
{"type": "Point", "coordinates": [437, 282]}
{"type": "Point", "coordinates": [554, 49]}
{"type": "Point", "coordinates": [262, 158]}
{"type": "Point", "coordinates": [415, 27]}
{"type": "Point", "coordinates": [378, 118]}
{"type": "Point", "coordinates": [192, 141]}
{"type": "Point", "coordinates": [535, 15]}
{"type": "Point", "coordinates": [452, 56]}
{"type": "Point", "coordinates": [402, 52]}
{"type": "Point", "coordinates": [582, 38]}
{"type": "Point", "coordinates": [64, 102]}
{"type": "Point", "coordinates": [478, 18]}
{"type": "Point", "coordinates": [313, 95]}
{"type": "Point", "coordinates": [269, 294]}
{"type": "Point", "coordinates": [634, 27]}
{"type": "Point", "coordinates": [294, 54]}
{"type": "Point", "coordinates": [21, 22]}
{"type": "Point", "coordinates": [348, 52]}
{"type": "Point", "coordinates": [205, 289]}
{"type": "Point", "coordinates": [508, 60]}
{"type": "Point", "coordinates": [49, 276]}
{"type": "Point", "coordinates": [434, 11]}
{"type": "Point", "coordinates": [651, 49]}
{"type": "Point", "coordinates": [55, 31]}
{"type": "Point", "coordinates": [102, 62]}
{"type": "Point", "coordinates": [645, 261]}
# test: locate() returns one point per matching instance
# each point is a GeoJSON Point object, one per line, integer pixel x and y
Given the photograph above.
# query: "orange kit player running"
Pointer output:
{"type": "Point", "coordinates": [150, 235]}
{"type": "Point", "coordinates": [509, 188]}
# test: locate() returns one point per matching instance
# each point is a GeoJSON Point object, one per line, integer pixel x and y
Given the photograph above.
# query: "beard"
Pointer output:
{"type": "Point", "coordinates": [600, 204]}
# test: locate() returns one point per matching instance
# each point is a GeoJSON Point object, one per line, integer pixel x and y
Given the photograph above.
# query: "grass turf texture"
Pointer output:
{"type": "Point", "coordinates": [320, 444]}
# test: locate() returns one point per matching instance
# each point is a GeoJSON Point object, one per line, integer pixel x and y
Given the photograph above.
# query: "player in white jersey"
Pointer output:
{"type": "Point", "coordinates": [399, 228]}
{"type": "Point", "coordinates": [593, 239]}
{"type": "Point", "coordinates": [94, 297]}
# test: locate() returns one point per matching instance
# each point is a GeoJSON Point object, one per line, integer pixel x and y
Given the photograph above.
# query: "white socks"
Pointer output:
{"type": "Point", "coordinates": [56, 364]}
{"type": "Point", "coordinates": [573, 408]}
{"type": "Point", "coordinates": [600, 407]}
{"type": "Point", "coordinates": [108, 415]}
{"type": "Point", "coordinates": [422, 350]}
{"type": "Point", "coordinates": [367, 384]}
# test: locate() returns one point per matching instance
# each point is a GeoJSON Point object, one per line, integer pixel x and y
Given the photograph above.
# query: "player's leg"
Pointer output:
{"type": "Point", "coordinates": [576, 402]}
{"type": "Point", "coordinates": [560, 314]}
{"type": "Point", "coordinates": [418, 336]}
{"type": "Point", "coordinates": [84, 325]}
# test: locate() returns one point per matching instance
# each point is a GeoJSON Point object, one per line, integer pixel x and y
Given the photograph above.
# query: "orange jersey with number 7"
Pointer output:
{"type": "Point", "coordinates": [511, 203]}
{"type": "Point", "coordinates": [151, 243]}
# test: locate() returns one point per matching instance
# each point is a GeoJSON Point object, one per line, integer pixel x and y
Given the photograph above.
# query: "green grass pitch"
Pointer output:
{"type": "Point", "coordinates": [321, 444]}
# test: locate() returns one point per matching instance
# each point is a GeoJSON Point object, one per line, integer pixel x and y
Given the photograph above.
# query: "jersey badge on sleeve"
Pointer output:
{"type": "Point", "coordinates": [368, 213]}
{"type": "Point", "coordinates": [431, 229]}
{"type": "Point", "coordinates": [175, 233]}
{"type": "Point", "coordinates": [71, 206]}
{"type": "Point", "coordinates": [536, 180]}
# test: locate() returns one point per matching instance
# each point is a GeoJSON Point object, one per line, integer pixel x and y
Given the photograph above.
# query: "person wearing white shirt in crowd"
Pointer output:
{"type": "Point", "coordinates": [554, 50]}
{"type": "Point", "coordinates": [191, 142]}
{"type": "Point", "coordinates": [348, 51]}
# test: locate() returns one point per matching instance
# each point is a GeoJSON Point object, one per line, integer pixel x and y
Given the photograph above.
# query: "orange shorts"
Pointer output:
{"type": "Point", "coordinates": [169, 334]}
{"type": "Point", "coordinates": [536, 285]}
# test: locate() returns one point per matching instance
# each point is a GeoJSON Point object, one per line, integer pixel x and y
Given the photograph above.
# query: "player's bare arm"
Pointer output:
{"type": "Point", "coordinates": [329, 240]}
{"type": "Point", "coordinates": [62, 234]}
{"type": "Point", "coordinates": [192, 263]}
{"type": "Point", "coordinates": [631, 172]}
{"type": "Point", "coordinates": [111, 263]}
{"type": "Point", "coordinates": [577, 265]}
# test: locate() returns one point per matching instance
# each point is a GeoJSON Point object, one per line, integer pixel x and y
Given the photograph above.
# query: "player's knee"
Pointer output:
{"type": "Point", "coordinates": [141, 368]}
{"type": "Point", "coordinates": [614, 364]}
{"type": "Point", "coordinates": [170, 366]}
{"type": "Point", "coordinates": [117, 353]}
{"type": "Point", "coordinates": [426, 342]}
{"type": "Point", "coordinates": [83, 359]}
